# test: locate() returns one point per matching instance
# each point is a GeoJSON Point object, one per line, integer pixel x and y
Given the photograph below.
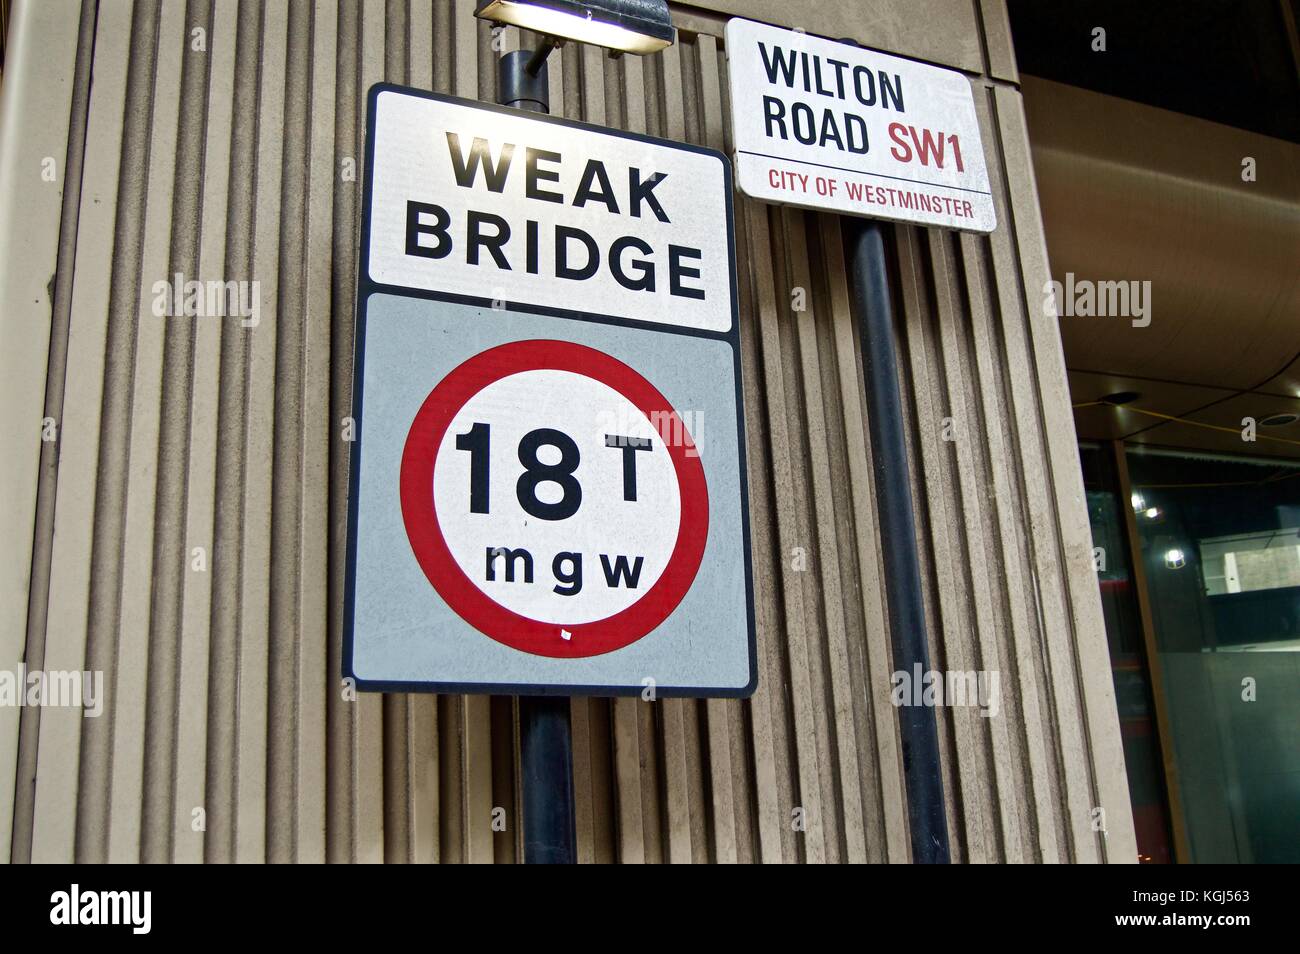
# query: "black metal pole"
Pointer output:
{"type": "Point", "coordinates": [545, 736]}
{"type": "Point", "coordinates": [920, 737]}
{"type": "Point", "coordinates": [546, 754]}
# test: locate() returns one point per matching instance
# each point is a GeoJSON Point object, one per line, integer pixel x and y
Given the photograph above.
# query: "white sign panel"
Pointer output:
{"type": "Point", "coordinates": [548, 481]}
{"type": "Point", "coordinates": [826, 125]}
{"type": "Point", "coordinates": [524, 211]}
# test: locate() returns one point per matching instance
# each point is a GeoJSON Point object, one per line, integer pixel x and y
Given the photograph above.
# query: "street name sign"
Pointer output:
{"type": "Point", "coordinates": [825, 125]}
{"type": "Point", "coordinates": [548, 488]}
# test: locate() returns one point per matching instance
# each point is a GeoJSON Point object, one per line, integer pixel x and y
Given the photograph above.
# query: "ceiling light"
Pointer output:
{"type": "Point", "coordinates": [1120, 398]}
{"type": "Point", "coordinates": [1279, 420]}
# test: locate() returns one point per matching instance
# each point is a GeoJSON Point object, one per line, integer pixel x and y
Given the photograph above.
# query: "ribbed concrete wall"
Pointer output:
{"type": "Point", "coordinates": [185, 531]}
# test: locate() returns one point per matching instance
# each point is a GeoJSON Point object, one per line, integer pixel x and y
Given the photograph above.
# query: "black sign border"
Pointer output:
{"type": "Point", "coordinates": [366, 287]}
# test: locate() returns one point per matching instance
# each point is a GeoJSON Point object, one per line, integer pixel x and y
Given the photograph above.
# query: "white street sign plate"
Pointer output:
{"type": "Point", "coordinates": [826, 125]}
{"type": "Point", "coordinates": [548, 476]}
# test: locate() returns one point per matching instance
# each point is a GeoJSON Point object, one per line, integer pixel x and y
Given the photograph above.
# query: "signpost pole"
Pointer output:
{"type": "Point", "coordinates": [870, 287]}
{"type": "Point", "coordinates": [546, 757]}
{"type": "Point", "coordinates": [546, 738]}
{"type": "Point", "coordinates": [890, 147]}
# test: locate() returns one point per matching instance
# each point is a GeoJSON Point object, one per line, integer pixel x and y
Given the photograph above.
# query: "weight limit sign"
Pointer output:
{"type": "Point", "coordinates": [548, 487]}
{"type": "Point", "coordinates": [554, 498]}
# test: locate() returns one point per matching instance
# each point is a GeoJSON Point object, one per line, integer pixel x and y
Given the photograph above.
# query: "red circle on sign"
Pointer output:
{"type": "Point", "coordinates": [455, 587]}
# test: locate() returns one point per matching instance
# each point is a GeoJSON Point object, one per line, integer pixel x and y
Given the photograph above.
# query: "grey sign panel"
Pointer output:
{"type": "Point", "coordinates": [545, 499]}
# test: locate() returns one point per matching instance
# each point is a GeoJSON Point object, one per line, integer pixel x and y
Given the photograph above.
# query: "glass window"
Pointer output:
{"type": "Point", "coordinates": [1137, 722]}
{"type": "Point", "coordinates": [1220, 542]}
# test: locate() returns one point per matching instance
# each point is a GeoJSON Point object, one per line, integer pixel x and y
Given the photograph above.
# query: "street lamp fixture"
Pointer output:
{"type": "Point", "coordinates": [628, 26]}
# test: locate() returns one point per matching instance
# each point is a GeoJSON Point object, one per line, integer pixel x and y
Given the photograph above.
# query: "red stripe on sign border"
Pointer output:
{"type": "Point", "coordinates": [430, 547]}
